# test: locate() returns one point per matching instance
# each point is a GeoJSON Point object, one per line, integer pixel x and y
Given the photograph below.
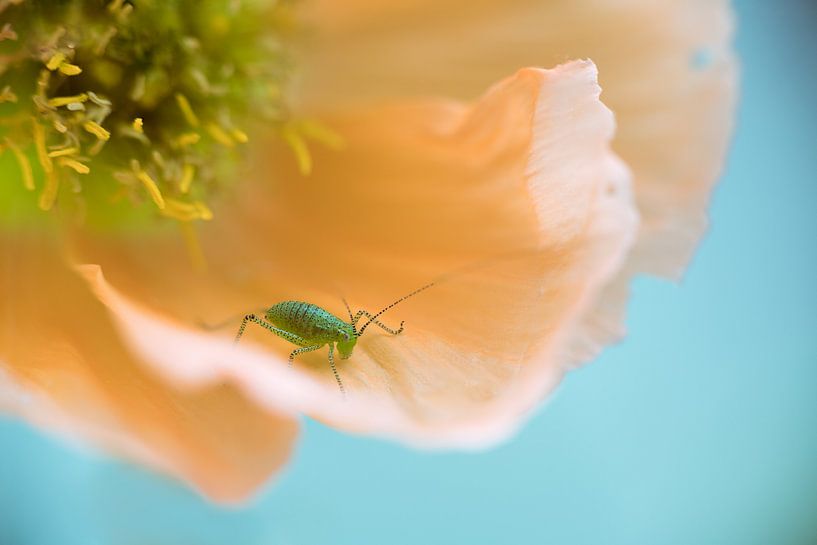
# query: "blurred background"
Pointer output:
{"type": "Point", "coordinates": [700, 428]}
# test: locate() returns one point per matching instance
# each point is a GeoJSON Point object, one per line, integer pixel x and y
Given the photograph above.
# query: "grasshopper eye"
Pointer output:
{"type": "Point", "coordinates": [344, 334]}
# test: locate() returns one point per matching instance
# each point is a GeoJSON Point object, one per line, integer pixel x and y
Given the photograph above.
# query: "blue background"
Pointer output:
{"type": "Point", "coordinates": [700, 429]}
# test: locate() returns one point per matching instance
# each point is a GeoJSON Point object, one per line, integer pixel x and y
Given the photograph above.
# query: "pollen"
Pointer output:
{"type": "Point", "coordinates": [115, 5]}
{"type": "Point", "coordinates": [240, 136]}
{"type": "Point", "coordinates": [97, 130]}
{"type": "Point", "coordinates": [188, 173]}
{"type": "Point", "coordinates": [63, 152]}
{"type": "Point", "coordinates": [204, 211]}
{"type": "Point", "coordinates": [7, 95]}
{"type": "Point", "coordinates": [220, 135]}
{"type": "Point", "coordinates": [75, 165]}
{"type": "Point", "coordinates": [151, 186]}
{"type": "Point", "coordinates": [138, 125]}
{"type": "Point", "coordinates": [7, 33]}
{"type": "Point", "coordinates": [39, 144]}
{"type": "Point", "coordinates": [55, 61]}
{"type": "Point", "coordinates": [187, 110]}
{"type": "Point", "coordinates": [298, 145]}
{"type": "Point", "coordinates": [69, 69]}
{"type": "Point", "coordinates": [319, 132]}
{"type": "Point", "coordinates": [188, 139]}
{"type": "Point", "coordinates": [194, 250]}
{"type": "Point", "coordinates": [49, 194]}
{"type": "Point", "coordinates": [56, 102]}
{"type": "Point", "coordinates": [187, 211]}
{"type": "Point", "coordinates": [103, 40]}
{"type": "Point", "coordinates": [23, 162]}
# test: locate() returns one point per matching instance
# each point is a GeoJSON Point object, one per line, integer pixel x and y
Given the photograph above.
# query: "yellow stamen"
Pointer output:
{"type": "Point", "coordinates": [158, 159]}
{"type": "Point", "coordinates": [188, 172]}
{"type": "Point", "coordinates": [63, 152]}
{"type": "Point", "coordinates": [119, 194]}
{"type": "Point", "coordinates": [42, 83]}
{"type": "Point", "coordinates": [204, 211]}
{"type": "Point", "coordinates": [240, 136]}
{"type": "Point", "coordinates": [7, 33]}
{"type": "Point", "coordinates": [98, 100]}
{"type": "Point", "coordinates": [114, 6]}
{"type": "Point", "coordinates": [185, 211]}
{"type": "Point", "coordinates": [97, 147]}
{"type": "Point", "coordinates": [119, 9]}
{"type": "Point", "coordinates": [191, 241]}
{"type": "Point", "coordinates": [55, 61]}
{"type": "Point", "coordinates": [152, 188]}
{"type": "Point", "coordinates": [49, 194]}
{"type": "Point", "coordinates": [126, 10]}
{"type": "Point", "coordinates": [296, 142]}
{"type": "Point", "coordinates": [187, 110]}
{"type": "Point", "coordinates": [104, 40]}
{"type": "Point", "coordinates": [97, 130]}
{"type": "Point", "coordinates": [188, 139]}
{"type": "Point", "coordinates": [56, 102]}
{"type": "Point", "coordinates": [138, 125]}
{"type": "Point", "coordinates": [75, 165]}
{"type": "Point", "coordinates": [25, 165]}
{"type": "Point", "coordinates": [320, 133]}
{"type": "Point", "coordinates": [219, 135]}
{"type": "Point", "coordinates": [69, 69]}
{"type": "Point", "coordinates": [137, 91]}
{"type": "Point", "coordinates": [7, 95]}
{"type": "Point", "coordinates": [273, 92]}
{"type": "Point", "coordinates": [39, 144]}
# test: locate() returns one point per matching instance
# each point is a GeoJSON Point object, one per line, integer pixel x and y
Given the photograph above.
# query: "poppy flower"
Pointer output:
{"type": "Point", "coordinates": [503, 186]}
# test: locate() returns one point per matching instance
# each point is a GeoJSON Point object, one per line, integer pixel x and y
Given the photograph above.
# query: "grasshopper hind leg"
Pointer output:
{"type": "Point", "coordinates": [295, 339]}
{"type": "Point", "coordinates": [291, 337]}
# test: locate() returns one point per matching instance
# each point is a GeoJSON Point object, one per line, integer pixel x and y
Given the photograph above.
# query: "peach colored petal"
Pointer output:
{"type": "Point", "coordinates": [666, 66]}
{"type": "Point", "coordinates": [515, 204]}
{"type": "Point", "coordinates": [63, 368]}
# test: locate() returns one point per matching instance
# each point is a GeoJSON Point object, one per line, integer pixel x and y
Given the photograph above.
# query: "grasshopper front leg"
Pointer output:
{"type": "Point", "coordinates": [361, 313]}
{"type": "Point", "coordinates": [301, 351]}
{"type": "Point", "coordinates": [335, 369]}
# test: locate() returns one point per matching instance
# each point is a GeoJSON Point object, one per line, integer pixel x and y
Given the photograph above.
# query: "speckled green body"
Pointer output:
{"type": "Point", "coordinates": [313, 324]}
{"type": "Point", "coordinates": [306, 320]}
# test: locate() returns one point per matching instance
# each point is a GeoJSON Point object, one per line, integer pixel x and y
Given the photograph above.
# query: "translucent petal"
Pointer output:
{"type": "Point", "coordinates": [666, 66]}
{"type": "Point", "coordinates": [514, 205]}
{"type": "Point", "coordinates": [63, 367]}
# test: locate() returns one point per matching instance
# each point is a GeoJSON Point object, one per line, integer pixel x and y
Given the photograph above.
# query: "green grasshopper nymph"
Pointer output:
{"type": "Point", "coordinates": [311, 327]}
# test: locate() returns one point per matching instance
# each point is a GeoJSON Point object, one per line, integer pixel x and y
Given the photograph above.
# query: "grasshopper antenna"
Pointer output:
{"type": "Point", "coordinates": [349, 310]}
{"type": "Point", "coordinates": [412, 294]}
{"type": "Point", "coordinates": [443, 278]}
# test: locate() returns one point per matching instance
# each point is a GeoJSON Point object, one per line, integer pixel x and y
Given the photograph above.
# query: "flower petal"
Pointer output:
{"type": "Point", "coordinates": [515, 206]}
{"type": "Point", "coordinates": [666, 66]}
{"type": "Point", "coordinates": [63, 368]}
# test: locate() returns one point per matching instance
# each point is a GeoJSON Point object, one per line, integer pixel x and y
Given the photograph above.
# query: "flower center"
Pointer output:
{"type": "Point", "coordinates": [118, 111]}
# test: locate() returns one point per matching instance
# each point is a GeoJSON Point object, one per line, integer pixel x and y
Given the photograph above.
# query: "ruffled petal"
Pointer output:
{"type": "Point", "coordinates": [64, 368]}
{"type": "Point", "coordinates": [515, 206]}
{"type": "Point", "coordinates": [666, 66]}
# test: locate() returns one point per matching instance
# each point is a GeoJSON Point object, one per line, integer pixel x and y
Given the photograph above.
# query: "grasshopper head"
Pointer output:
{"type": "Point", "coordinates": [347, 338]}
